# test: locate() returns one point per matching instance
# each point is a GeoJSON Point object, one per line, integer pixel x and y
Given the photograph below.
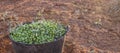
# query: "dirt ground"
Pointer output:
{"type": "Point", "coordinates": [94, 25]}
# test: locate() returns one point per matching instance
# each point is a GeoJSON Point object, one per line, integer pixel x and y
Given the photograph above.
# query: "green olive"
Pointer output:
{"type": "Point", "coordinates": [38, 32]}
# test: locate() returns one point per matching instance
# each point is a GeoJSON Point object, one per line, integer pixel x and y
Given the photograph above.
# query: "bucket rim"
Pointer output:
{"type": "Point", "coordinates": [62, 37]}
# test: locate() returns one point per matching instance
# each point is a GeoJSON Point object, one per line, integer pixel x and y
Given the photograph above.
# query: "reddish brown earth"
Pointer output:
{"type": "Point", "coordinates": [94, 25]}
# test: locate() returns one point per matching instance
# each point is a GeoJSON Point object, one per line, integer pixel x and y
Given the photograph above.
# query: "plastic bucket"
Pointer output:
{"type": "Point", "coordinates": [50, 47]}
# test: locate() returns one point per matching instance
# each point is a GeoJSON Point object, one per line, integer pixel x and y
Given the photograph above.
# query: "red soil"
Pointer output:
{"type": "Point", "coordinates": [94, 26]}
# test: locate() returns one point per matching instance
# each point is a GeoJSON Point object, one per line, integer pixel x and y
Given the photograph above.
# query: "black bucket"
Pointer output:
{"type": "Point", "coordinates": [50, 47]}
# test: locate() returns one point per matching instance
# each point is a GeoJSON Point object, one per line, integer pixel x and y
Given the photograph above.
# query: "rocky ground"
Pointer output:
{"type": "Point", "coordinates": [94, 25]}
